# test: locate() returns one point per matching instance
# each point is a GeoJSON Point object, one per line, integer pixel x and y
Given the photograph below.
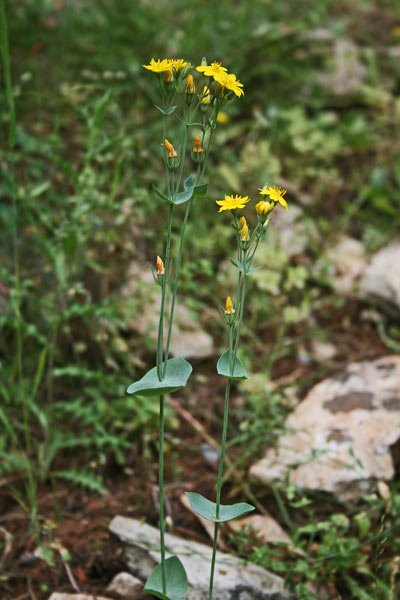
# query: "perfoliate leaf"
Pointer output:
{"type": "Point", "coordinates": [175, 577]}
{"type": "Point", "coordinates": [224, 367]}
{"type": "Point", "coordinates": [161, 195]}
{"type": "Point", "coordinates": [207, 509]}
{"type": "Point", "coordinates": [176, 375]}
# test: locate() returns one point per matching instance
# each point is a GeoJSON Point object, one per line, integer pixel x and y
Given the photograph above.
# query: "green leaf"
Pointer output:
{"type": "Point", "coordinates": [182, 197]}
{"type": "Point", "coordinates": [166, 112]}
{"type": "Point", "coordinates": [176, 581]}
{"type": "Point", "coordinates": [244, 268]}
{"type": "Point", "coordinates": [161, 195]}
{"type": "Point", "coordinates": [177, 373]}
{"type": "Point", "coordinates": [188, 183]}
{"type": "Point", "coordinates": [223, 367]}
{"type": "Point", "coordinates": [207, 509]}
{"type": "Point", "coordinates": [200, 191]}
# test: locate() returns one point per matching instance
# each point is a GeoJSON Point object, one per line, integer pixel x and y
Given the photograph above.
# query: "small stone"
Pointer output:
{"type": "Point", "coordinates": [188, 339]}
{"type": "Point", "coordinates": [347, 73]}
{"type": "Point", "coordinates": [234, 580]}
{"type": "Point", "coordinates": [343, 433]}
{"type": "Point", "coordinates": [57, 596]}
{"type": "Point", "coordinates": [265, 527]}
{"type": "Point", "coordinates": [126, 587]}
{"type": "Point", "coordinates": [381, 279]}
{"type": "Point", "coordinates": [349, 261]}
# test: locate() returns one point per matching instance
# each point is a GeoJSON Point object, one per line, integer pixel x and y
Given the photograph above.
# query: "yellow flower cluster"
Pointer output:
{"type": "Point", "coordinates": [227, 81]}
{"type": "Point", "coordinates": [220, 74]}
{"type": "Point", "coordinates": [263, 208]}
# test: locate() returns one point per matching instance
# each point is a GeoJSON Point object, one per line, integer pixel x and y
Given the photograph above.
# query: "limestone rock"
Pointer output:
{"type": "Point", "coordinates": [126, 587]}
{"type": "Point", "coordinates": [264, 526]}
{"type": "Point", "coordinates": [349, 261]}
{"type": "Point", "coordinates": [381, 279]}
{"type": "Point", "coordinates": [347, 72]}
{"type": "Point", "coordinates": [57, 596]}
{"type": "Point", "coordinates": [188, 339]}
{"type": "Point", "coordinates": [342, 432]}
{"type": "Point", "coordinates": [233, 579]}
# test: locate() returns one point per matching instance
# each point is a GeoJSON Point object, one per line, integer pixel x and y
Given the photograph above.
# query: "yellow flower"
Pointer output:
{"type": "Point", "coordinates": [263, 208]}
{"type": "Point", "coordinates": [211, 70]}
{"type": "Point", "coordinates": [275, 193]}
{"type": "Point", "coordinates": [232, 203]}
{"type": "Point", "coordinates": [222, 117]}
{"type": "Point", "coordinates": [229, 81]}
{"type": "Point", "coordinates": [396, 30]}
{"type": "Point", "coordinates": [160, 266]}
{"type": "Point", "coordinates": [244, 230]}
{"type": "Point", "coordinates": [190, 88]}
{"type": "Point", "coordinates": [197, 145]}
{"type": "Point", "coordinates": [206, 98]}
{"type": "Point", "coordinates": [178, 64]}
{"type": "Point", "coordinates": [229, 310]}
{"type": "Point", "coordinates": [159, 66]}
{"type": "Point", "coordinates": [170, 149]}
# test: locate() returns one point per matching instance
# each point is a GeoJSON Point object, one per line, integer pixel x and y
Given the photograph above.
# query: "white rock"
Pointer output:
{"type": "Point", "coordinates": [347, 73]}
{"type": "Point", "coordinates": [233, 579]}
{"type": "Point", "coordinates": [342, 432]}
{"type": "Point", "coordinates": [126, 587]}
{"type": "Point", "coordinates": [381, 278]}
{"type": "Point", "coordinates": [188, 339]}
{"type": "Point", "coordinates": [264, 526]}
{"type": "Point", "coordinates": [349, 261]}
{"type": "Point", "coordinates": [57, 596]}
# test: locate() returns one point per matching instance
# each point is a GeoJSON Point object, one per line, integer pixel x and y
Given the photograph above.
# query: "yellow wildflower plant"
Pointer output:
{"type": "Point", "coordinates": [275, 193]}
{"type": "Point", "coordinates": [263, 208]}
{"type": "Point", "coordinates": [229, 310]}
{"type": "Point", "coordinates": [159, 66]}
{"type": "Point", "coordinates": [232, 203]}
{"type": "Point", "coordinates": [211, 70]}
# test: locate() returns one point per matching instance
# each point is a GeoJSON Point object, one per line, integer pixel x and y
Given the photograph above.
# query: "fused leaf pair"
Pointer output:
{"type": "Point", "coordinates": [190, 189]}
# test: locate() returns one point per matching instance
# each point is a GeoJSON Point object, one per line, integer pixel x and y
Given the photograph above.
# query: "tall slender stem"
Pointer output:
{"type": "Point", "coordinates": [219, 482]}
{"type": "Point", "coordinates": [161, 494]}
{"type": "Point", "coordinates": [176, 282]}
{"type": "Point", "coordinates": [160, 368]}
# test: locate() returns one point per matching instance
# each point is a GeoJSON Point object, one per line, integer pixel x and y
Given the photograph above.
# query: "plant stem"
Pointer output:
{"type": "Point", "coordinates": [160, 368]}
{"type": "Point", "coordinates": [219, 482]}
{"type": "Point", "coordinates": [176, 282]}
{"type": "Point", "coordinates": [161, 494]}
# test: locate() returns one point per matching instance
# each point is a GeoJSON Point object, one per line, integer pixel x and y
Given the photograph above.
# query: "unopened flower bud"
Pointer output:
{"type": "Point", "coordinates": [197, 152]}
{"type": "Point", "coordinates": [190, 90]}
{"type": "Point", "coordinates": [205, 96]}
{"type": "Point", "coordinates": [263, 208]}
{"type": "Point", "coordinates": [190, 87]}
{"type": "Point", "coordinates": [244, 230]}
{"type": "Point", "coordinates": [229, 310]}
{"type": "Point", "coordinates": [169, 76]}
{"type": "Point", "coordinates": [172, 159]}
{"type": "Point", "coordinates": [160, 266]}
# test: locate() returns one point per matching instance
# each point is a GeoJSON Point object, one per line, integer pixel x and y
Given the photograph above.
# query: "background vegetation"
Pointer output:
{"type": "Point", "coordinates": [77, 212]}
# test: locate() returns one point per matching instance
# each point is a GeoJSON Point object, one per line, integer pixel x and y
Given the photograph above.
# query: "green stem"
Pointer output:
{"type": "Point", "coordinates": [214, 554]}
{"type": "Point", "coordinates": [165, 157]}
{"type": "Point", "coordinates": [219, 483]}
{"type": "Point", "coordinates": [183, 153]}
{"type": "Point", "coordinates": [160, 336]}
{"type": "Point", "coordinates": [161, 495]}
{"type": "Point", "coordinates": [176, 283]}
